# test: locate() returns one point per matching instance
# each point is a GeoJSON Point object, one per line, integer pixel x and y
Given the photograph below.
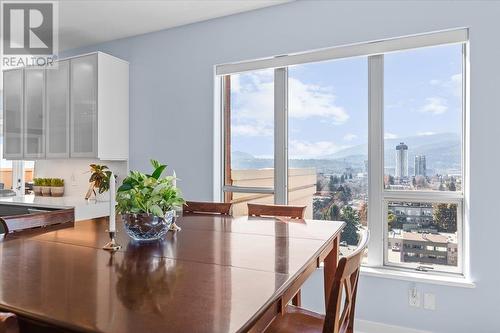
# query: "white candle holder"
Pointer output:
{"type": "Point", "coordinates": [173, 226]}
{"type": "Point", "coordinates": [112, 245]}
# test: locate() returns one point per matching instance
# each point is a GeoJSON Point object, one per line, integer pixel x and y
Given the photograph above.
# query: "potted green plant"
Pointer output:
{"type": "Point", "coordinates": [147, 203]}
{"type": "Point", "coordinates": [57, 187]}
{"type": "Point", "coordinates": [37, 186]}
{"type": "Point", "coordinates": [46, 182]}
{"type": "Point", "coordinates": [99, 180]}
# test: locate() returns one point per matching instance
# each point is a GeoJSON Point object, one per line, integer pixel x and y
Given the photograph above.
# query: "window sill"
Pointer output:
{"type": "Point", "coordinates": [388, 273]}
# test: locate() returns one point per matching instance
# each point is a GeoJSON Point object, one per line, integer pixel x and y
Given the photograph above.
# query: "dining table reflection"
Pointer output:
{"type": "Point", "coordinates": [146, 279]}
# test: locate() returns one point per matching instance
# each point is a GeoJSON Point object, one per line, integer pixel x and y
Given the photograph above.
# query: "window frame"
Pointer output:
{"type": "Point", "coordinates": [378, 196]}
{"type": "Point", "coordinates": [413, 266]}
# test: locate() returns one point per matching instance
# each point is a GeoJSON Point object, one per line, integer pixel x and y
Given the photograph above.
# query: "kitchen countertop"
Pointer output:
{"type": "Point", "coordinates": [84, 209]}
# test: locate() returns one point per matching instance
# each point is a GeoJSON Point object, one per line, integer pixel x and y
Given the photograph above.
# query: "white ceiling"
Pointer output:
{"type": "Point", "coordinates": [83, 23]}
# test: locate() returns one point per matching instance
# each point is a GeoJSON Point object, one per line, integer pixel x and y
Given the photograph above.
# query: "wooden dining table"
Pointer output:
{"type": "Point", "coordinates": [218, 274]}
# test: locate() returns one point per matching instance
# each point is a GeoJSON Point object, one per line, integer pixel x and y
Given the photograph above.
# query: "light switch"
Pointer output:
{"type": "Point", "coordinates": [429, 301]}
{"type": "Point", "coordinates": [414, 297]}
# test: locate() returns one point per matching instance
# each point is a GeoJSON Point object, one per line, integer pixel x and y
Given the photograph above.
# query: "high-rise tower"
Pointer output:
{"type": "Point", "coordinates": [420, 167]}
{"type": "Point", "coordinates": [401, 161]}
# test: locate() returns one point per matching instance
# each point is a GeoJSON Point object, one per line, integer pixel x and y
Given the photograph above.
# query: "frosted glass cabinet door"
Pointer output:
{"type": "Point", "coordinates": [84, 106]}
{"type": "Point", "coordinates": [13, 114]}
{"type": "Point", "coordinates": [57, 111]}
{"type": "Point", "coordinates": [34, 137]}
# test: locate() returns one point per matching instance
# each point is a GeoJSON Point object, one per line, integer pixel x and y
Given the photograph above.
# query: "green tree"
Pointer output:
{"type": "Point", "coordinates": [451, 185]}
{"type": "Point", "coordinates": [342, 179]}
{"type": "Point", "coordinates": [344, 194]}
{"type": "Point", "coordinates": [414, 182]}
{"type": "Point", "coordinates": [332, 184]}
{"type": "Point", "coordinates": [319, 187]}
{"type": "Point", "coordinates": [350, 231]}
{"type": "Point", "coordinates": [391, 218]}
{"type": "Point", "coordinates": [441, 187]}
{"type": "Point", "coordinates": [445, 217]}
{"type": "Point", "coordinates": [332, 213]}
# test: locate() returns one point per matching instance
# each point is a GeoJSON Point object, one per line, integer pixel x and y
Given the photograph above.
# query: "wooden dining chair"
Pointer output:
{"type": "Point", "coordinates": [53, 219]}
{"type": "Point", "coordinates": [8, 323]}
{"type": "Point", "coordinates": [199, 207]}
{"type": "Point", "coordinates": [294, 212]}
{"type": "Point", "coordinates": [340, 310]}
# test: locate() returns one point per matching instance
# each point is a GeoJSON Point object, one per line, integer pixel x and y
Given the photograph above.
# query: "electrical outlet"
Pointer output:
{"type": "Point", "coordinates": [429, 301]}
{"type": "Point", "coordinates": [414, 297]}
{"type": "Point", "coordinates": [73, 180]}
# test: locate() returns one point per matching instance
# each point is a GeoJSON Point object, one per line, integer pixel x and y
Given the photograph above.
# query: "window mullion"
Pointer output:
{"type": "Point", "coordinates": [281, 136]}
{"type": "Point", "coordinates": [375, 159]}
{"type": "Point", "coordinates": [432, 196]}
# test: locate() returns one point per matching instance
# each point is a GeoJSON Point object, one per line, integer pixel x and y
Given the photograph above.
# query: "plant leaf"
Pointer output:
{"type": "Point", "coordinates": [155, 164]}
{"type": "Point", "coordinates": [156, 210]}
{"type": "Point", "coordinates": [158, 171]}
{"type": "Point", "coordinates": [125, 187]}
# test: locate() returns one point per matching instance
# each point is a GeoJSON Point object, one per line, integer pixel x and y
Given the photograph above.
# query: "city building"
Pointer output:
{"type": "Point", "coordinates": [401, 161]}
{"type": "Point", "coordinates": [420, 166]}
{"type": "Point", "coordinates": [413, 213]}
{"type": "Point", "coordinates": [424, 248]}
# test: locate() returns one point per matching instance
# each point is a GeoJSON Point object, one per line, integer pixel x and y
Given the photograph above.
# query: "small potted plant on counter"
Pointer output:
{"type": "Point", "coordinates": [99, 181]}
{"type": "Point", "coordinates": [45, 184]}
{"type": "Point", "coordinates": [147, 203]}
{"type": "Point", "coordinates": [57, 187]}
{"type": "Point", "coordinates": [37, 186]}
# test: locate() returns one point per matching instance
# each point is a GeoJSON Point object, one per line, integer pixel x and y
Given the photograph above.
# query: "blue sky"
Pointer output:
{"type": "Point", "coordinates": [328, 102]}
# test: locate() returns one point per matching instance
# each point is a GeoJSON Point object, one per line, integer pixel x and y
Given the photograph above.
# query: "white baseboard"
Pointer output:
{"type": "Point", "coordinates": [365, 326]}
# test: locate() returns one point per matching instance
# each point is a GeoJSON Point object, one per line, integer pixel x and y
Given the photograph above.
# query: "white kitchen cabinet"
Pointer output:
{"type": "Point", "coordinates": [83, 117]}
{"type": "Point", "coordinates": [57, 111]}
{"type": "Point", "coordinates": [13, 84]}
{"type": "Point", "coordinates": [34, 114]}
{"type": "Point", "coordinates": [99, 107]}
{"type": "Point", "coordinates": [80, 109]}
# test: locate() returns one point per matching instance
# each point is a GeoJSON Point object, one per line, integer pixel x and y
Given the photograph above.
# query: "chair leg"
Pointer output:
{"type": "Point", "coordinates": [297, 299]}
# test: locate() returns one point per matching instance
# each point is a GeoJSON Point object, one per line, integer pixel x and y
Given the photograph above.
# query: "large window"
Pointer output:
{"type": "Point", "coordinates": [378, 126]}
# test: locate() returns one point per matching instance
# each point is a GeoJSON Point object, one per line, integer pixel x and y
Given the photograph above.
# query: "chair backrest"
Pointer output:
{"type": "Point", "coordinates": [56, 218]}
{"type": "Point", "coordinates": [8, 323]}
{"type": "Point", "coordinates": [207, 207]}
{"type": "Point", "coordinates": [340, 315]}
{"type": "Point", "coordinates": [294, 212]}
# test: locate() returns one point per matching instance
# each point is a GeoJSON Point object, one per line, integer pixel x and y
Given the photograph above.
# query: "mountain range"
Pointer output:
{"type": "Point", "coordinates": [442, 152]}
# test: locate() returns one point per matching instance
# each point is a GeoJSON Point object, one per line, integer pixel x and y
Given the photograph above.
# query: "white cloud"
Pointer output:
{"type": "Point", "coordinates": [435, 105]}
{"type": "Point", "coordinates": [308, 100]}
{"type": "Point", "coordinates": [453, 84]}
{"type": "Point", "coordinates": [426, 133]}
{"type": "Point", "coordinates": [251, 130]}
{"type": "Point", "coordinates": [350, 137]}
{"type": "Point", "coordinates": [305, 149]}
{"type": "Point", "coordinates": [456, 84]}
{"type": "Point", "coordinates": [388, 135]}
{"type": "Point", "coordinates": [253, 100]}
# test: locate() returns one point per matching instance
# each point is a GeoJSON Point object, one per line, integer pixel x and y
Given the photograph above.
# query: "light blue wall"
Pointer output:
{"type": "Point", "coordinates": [171, 105]}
